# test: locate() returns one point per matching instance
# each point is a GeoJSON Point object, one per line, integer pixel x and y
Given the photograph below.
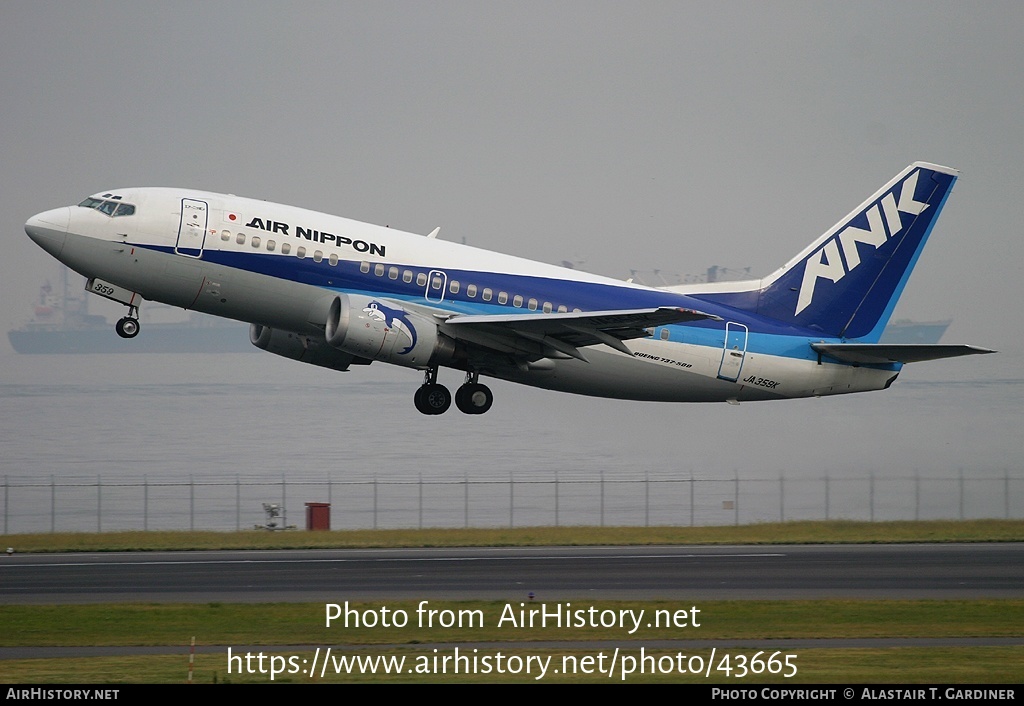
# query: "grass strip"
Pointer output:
{"type": "Point", "coordinates": [810, 532]}
{"type": "Point", "coordinates": [250, 625]}
{"type": "Point", "coordinates": [898, 665]}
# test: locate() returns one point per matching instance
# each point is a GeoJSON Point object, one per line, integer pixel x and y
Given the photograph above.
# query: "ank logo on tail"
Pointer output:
{"type": "Point", "coordinates": [884, 223]}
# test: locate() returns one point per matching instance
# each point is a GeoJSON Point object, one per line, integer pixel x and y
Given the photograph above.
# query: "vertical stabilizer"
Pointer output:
{"type": "Point", "coordinates": [847, 282]}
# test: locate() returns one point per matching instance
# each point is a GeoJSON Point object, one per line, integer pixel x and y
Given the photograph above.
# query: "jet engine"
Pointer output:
{"type": "Point", "coordinates": [381, 329]}
{"type": "Point", "coordinates": [299, 347]}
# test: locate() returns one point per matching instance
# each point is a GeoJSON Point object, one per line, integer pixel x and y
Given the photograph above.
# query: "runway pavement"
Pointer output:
{"type": "Point", "coordinates": [905, 571]}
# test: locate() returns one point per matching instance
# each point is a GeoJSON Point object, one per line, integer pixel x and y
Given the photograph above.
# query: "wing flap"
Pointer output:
{"type": "Point", "coordinates": [886, 353]}
{"type": "Point", "coordinates": [566, 332]}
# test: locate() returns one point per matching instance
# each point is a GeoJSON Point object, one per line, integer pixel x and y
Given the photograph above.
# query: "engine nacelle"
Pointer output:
{"type": "Point", "coordinates": [380, 329]}
{"type": "Point", "coordinates": [298, 347]}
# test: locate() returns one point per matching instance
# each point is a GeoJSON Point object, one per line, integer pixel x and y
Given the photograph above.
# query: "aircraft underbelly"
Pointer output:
{"type": "Point", "coordinates": [612, 374]}
{"type": "Point", "coordinates": [663, 378]}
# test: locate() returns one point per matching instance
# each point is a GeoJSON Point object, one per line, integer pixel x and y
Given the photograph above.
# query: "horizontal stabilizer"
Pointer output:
{"type": "Point", "coordinates": [885, 353]}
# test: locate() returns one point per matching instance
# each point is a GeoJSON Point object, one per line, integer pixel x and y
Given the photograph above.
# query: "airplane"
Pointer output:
{"type": "Point", "coordinates": [338, 293]}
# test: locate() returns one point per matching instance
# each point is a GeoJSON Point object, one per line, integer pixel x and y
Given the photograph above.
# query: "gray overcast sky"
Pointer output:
{"type": "Point", "coordinates": [671, 135]}
{"type": "Point", "coordinates": [630, 135]}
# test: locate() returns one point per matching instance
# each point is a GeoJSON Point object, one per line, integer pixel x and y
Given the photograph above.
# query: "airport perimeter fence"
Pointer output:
{"type": "Point", "coordinates": [81, 504]}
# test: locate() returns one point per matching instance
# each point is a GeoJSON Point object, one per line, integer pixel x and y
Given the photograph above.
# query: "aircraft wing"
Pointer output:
{"type": "Point", "coordinates": [548, 335]}
{"type": "Point", "coordinates": [883, 353]}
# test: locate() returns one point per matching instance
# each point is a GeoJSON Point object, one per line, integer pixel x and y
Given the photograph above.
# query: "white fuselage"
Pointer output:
{"type": "Point", "coordinates": [281, 267]}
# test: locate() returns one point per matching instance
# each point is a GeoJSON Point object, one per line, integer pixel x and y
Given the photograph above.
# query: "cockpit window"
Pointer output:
{"type": "Point", "coordinates": [112, 208]}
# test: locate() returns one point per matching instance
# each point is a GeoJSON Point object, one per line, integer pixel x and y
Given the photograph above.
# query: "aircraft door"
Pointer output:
{"type": "Point", "coordinates": [437, 282]}
{"type": "Point", "coordinates": [192, 228]}
{"type": "Point", "coordinates": [734, 351]}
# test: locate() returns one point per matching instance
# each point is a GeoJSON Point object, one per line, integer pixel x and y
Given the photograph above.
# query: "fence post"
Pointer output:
{"type": "Point", "coordinates": [284, 502]}
{"type": "Point", "coordinates": [99, 503]}
{"type": "Point", "coordinates": [647, 498]}
{"type": "Point", "coordinates": [782, 498]}
{"type": "Point", "coordinates": [917, 495]}
{"type": "Point", "coordinates": [1006, 494]}
{"type": "Point", "coordinates": [871, 495]}
{"type": "Point", "coordinates": [238, 502]}
{"type": "Point", "coordinates": [736, 500]}
{"type": "Point", "coordinates": [556, 498]}
{"type": "Point", "coordinates": [53, 504]}
{"type": "Point", "coordinates": [961, 494]}
{"type": "Point", "coordinates": [693, 489]}
{"type": "Point", "coordinates": [827, 477]}
{"type": "Point", "coordinates": [191, 503]}
{"type": "Point", "coordinates": [7, 482]}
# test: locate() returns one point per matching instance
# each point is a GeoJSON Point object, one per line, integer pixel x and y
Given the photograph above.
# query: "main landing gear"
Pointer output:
{"type": "Point", "coordinates": [471, 398]}
{"type": "Point", "coordinates": [128, 327]}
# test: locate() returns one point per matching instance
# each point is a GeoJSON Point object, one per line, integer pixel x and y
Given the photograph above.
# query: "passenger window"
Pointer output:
{"type": "Point", "coordinates": [471, 290]}
{"type": "Point", "coordinates": [407, 276]}
{"type": "Point", "coordinates": [286, 248]}
{"type": "Point", "coordinates": [364, 266]}
{"type": "Point", "coordinates": [487, 294]}
{"type": "Point", "coordinates": [318, 256]}
{"type": "Point", "coordinates": [392, 273]}
{"type": "Point", "coordinates": [454, 286]}
{"type": "Point", "coordinates": [532, 305]}
{"type": "Point", "coordinates": [517, 301]}
{"type": "Point", "coordinates": [301, 252]}
{"type": "Point", "coordinates": [435, 283]}
{"type": "Point", "coordinates": [664, 334]}
{"type": "Point", "coordinates": [421, 279]}
{"type": "Point", "coordinates": [378, 270]}
{"type": "Point", "coordinates": [225, 235]}
{"type": "Point", "coordinates": [334, 260]}
{"type": "Point", "coordinates": [547, 307]}
{"type": "Point", "coordinates": [562, 309]}
{"type": "Point", "coordinates": [502, 297]}
{"type": "Point", "coordinates": [255, 241]}
{"type": "Point", "coordinates": [577, 311]}
{"type": "Point", "coordinates": [271, 245]}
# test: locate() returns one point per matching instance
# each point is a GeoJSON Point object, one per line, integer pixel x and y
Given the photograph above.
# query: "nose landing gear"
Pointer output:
{"type": "Point", "coordinates": [128, 327]}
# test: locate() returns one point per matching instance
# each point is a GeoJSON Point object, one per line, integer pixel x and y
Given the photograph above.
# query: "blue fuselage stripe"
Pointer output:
{"type": "Point", "coordinates": [766, 336]}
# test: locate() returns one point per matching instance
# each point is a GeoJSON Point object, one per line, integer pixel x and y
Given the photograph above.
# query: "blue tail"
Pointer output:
{"type": "Point", "coordinates": [846, 283]}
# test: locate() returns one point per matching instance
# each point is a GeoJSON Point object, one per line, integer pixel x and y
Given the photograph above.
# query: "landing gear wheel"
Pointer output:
{"type": "Point", "coordinates": [474, 398]}
{"type": "Point", "coordinates": [433, 398]}
{"type": "Point", "coordinates": [127, 327]}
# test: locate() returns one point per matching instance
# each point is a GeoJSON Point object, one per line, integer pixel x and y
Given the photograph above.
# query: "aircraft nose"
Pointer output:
{"type": "Point", "coordinates": [49, 229]}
